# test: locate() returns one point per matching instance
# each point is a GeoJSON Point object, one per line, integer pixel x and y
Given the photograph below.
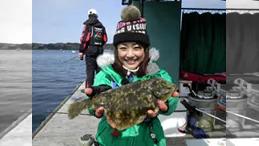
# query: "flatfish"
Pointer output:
{"type": "Point", "coordinates": [128, 104]}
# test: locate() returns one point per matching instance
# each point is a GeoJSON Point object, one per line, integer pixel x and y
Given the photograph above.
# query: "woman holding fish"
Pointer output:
{"type": "Point", "coordinates": [133, 62]}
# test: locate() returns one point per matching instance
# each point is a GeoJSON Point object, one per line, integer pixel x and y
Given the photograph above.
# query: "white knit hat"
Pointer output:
{"type": "Point", "coordinates": [92, 11]}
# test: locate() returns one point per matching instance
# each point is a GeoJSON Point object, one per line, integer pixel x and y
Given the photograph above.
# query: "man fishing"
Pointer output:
{"type": "Point", "coordinates": [92, 40]}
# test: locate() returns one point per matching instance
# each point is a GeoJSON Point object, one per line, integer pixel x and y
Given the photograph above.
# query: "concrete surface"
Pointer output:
{"type": "Point", "coordinates": [20, 135]}
{"type": "Point", "coordinates": [58, 130]}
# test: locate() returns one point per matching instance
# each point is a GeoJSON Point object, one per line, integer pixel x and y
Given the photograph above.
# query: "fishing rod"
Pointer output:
{"type": "Point", "coordinates": [192, 93]}
{"type": "Point", "coordinates": [198, 111]}
{"type": "Point", "coordinates": [241, 116]}
{"type": "Point", "coordinates": [210, 115]}
{"type": "Point", "coordinates": [72, 58]}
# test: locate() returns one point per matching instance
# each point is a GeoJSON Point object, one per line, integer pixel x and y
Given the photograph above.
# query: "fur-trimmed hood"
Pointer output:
{"type": "Point", "coordinates": [107, 58]}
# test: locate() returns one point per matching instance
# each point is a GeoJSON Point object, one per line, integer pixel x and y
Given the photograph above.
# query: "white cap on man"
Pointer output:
{"type": "Point", "coordinates": [92, 11]}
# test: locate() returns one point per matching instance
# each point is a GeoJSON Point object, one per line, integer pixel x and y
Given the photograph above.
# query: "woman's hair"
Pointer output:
{"type": "Point", "coordinates": [117, 65]}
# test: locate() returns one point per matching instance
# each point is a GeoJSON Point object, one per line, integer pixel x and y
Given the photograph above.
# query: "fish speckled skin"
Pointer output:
{"type": "Point", "coordinates": [128, 104]}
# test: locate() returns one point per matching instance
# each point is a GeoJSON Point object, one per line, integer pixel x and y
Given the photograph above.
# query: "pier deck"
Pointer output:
{"type": "Point", "coordinates": [58, 130]}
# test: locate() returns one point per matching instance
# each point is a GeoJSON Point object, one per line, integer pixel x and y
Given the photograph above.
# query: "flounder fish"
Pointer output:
{"type": "Point", "coordinates": [128, 104]}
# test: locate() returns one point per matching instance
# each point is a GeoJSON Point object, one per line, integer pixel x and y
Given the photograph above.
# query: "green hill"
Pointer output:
{"type": "Point", "coordinates": [40, 46]}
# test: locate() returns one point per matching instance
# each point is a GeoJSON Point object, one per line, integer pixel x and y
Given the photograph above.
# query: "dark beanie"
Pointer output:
{"type": "Point", "coordinates": [132, 27]}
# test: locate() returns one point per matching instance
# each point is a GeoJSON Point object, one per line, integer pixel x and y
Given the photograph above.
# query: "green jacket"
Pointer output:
{"type": "Point", "coordinates": [137, 135]}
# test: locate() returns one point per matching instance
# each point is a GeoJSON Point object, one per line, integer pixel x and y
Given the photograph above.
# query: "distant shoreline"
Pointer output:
{"type": "Point", "coordinates": [40, 46]}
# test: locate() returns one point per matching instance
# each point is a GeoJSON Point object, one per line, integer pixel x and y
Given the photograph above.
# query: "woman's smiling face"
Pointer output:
{"type": "Point", "coordinates": [130, 54]}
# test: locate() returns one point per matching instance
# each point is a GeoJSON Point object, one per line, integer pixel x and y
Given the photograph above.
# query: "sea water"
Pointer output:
{"type": "Point", "coordinates": [55, 74]}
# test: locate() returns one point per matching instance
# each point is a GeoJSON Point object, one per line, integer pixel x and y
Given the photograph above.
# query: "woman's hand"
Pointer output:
{"type": "Point", "coordinates": [162, 107]}
{"type": "Point", "coordinates": [81, 56]}
{"type": "Point", "coordinates": [175, 94]}
{"type": "Point", "coordinates": [88, 91]}
{"type": "Point", "coordinates": [99, 112]}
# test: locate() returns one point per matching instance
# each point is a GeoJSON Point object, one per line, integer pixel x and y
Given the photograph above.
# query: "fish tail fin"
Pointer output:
{"type": "Point", "coordinates": [77, 107]}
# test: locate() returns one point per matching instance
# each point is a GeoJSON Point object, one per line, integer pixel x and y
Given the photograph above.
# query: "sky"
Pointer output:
{"type": "Point", "coordinates": [243, 4]}
{"type": "Point", "coordinates": [203, 4]}
{"type": "Point", "coordinates": [62, 20]}
{"type": "Point", "coordinates": [53, 21]}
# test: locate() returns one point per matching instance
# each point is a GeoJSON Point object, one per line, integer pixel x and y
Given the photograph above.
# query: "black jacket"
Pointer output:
{"type": "Point", "coordinates": [84, 46]}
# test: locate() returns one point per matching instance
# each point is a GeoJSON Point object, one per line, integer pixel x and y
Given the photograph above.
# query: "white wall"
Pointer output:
{"type": "Point", "coordinates": [16, 21]}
